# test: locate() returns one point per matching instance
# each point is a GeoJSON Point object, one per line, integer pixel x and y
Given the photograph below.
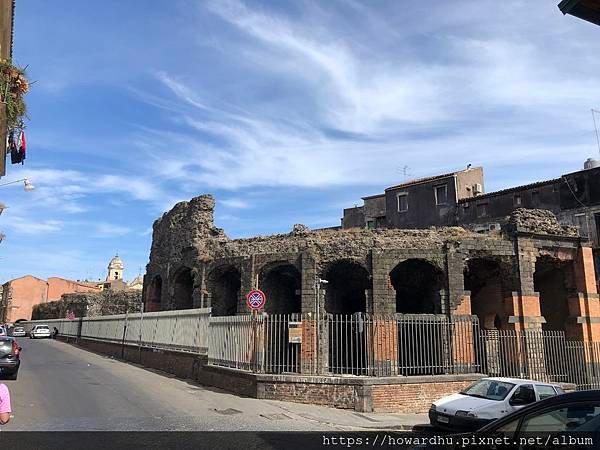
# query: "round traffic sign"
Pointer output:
{"type": "Point", "coordinates": [256, 299]}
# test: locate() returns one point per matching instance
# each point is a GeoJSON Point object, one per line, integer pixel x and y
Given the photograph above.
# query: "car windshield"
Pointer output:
{"type": "Point", "coordinates": [489, 389]}
{"type": "Point", "coordinates": [42, 327]}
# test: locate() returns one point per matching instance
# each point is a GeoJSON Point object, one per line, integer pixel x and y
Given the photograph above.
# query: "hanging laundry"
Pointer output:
{"type": "Point", "coordinates": [16, 156]}
{"type": "Point", "coordinates": [22, 145]}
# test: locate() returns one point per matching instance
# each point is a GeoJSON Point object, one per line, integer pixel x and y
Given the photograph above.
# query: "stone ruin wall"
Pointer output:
{"type": "Point", "coordinates": [186, 237]}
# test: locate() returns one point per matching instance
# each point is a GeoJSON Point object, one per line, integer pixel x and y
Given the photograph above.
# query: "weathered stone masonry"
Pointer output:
{"type": "Point", "coordinates": [508, 280]}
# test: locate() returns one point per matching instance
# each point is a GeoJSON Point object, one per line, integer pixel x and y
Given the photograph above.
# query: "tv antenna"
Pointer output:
{"type": "Point", "coordinates": [594, 112]}
{"type": "Point", "coordinates": [405, 172]}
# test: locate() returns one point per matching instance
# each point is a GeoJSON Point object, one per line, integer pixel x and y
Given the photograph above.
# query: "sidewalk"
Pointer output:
{"type": "Point", "coordinates": [344, 418]}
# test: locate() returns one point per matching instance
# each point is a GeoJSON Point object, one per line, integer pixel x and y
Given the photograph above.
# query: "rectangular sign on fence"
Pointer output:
{"type": "Point", "coordinates": [295, 332]}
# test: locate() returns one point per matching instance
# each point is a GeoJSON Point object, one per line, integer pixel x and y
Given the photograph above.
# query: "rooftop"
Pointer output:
{"type": "Point", "coordinates": [428, 179]}
{"type": "Point", "coordinates": [509, 190]}
{"type": "Point", "coordinates": [584, 9]}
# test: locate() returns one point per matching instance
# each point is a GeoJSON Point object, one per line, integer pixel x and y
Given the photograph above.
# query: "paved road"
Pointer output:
{"type": "Point", "coordinates": [61, 387]}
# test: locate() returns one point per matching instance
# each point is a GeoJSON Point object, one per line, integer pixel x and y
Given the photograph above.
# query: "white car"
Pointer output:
{"type": "Point", "coordinates": [486, 400]}
{"type": "Point", "coordinates": [18, 332]}
{"type": "Point", "coordinates": [40, 331]}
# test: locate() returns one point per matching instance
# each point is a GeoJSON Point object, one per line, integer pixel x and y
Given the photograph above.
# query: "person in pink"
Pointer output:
{"type": "Point", "coordinates": [4, 404]}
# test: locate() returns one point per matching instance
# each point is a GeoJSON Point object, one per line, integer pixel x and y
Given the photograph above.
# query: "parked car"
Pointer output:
{"type": "Point", "coordinates": [40, 331]}
{"type": "Point", "coordinates": [563, 421]}
{"type": "Point", "coordinates": [486, 400]}
{"type": "Point", "coordinates": [2, 330]}
{"type": "Point", "coordinates": [9, 357]}
{"type": "Point", "coordinates": [18, 332]}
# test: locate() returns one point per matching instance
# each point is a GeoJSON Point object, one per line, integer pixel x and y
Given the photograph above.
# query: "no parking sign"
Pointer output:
{"type": "Point", "coordinates": [256, 299]}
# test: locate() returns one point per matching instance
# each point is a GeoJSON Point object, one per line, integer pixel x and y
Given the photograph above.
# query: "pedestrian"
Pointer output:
{"type": "Point", "coordinates": [4, 404]}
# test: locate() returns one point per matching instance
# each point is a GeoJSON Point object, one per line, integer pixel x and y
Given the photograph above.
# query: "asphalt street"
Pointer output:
{"type": "Point", "coordinates": [64, 388]}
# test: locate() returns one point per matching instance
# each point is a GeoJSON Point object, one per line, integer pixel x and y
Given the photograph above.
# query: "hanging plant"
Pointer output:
{"type": "Point", "coordinates": [13, 87]}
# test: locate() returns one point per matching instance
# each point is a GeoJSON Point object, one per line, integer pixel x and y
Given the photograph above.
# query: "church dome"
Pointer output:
{"type": "Point", "coordinates": [115, 263]}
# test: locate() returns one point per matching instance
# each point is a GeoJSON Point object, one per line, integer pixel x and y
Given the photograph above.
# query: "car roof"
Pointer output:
{"type": "Point", "coordinates": [519, 380]}
{"type": "Point", "coordinates": [577, 396]}
{"type": "Point", "coordinates": [7, 338]}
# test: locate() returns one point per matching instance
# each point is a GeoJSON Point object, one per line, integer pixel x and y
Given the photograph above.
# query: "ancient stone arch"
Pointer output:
{"type": "Point", "coordinates": [418, 284]}
{"type": "Point", "coordinates": [223, 285]}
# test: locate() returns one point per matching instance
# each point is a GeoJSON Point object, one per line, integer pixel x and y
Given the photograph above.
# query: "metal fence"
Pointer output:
{"type": "Point", "coordinates": [350, 345]}
{"type": "Point", "coordinates": [350, 338]}
{"type": "Point", "coordinates": [235, 341]}
{"type": "Point", "coordinates": [182, 330]}
{"type": "Point", "coordinates": [282, 349]}
{"type": "Point", "coordinates": [542, 355]}
{"type": "Point", "coordinates": [261, 343]}
{"type": "Point", "coordinates": [425, 344]}
{"type": "Point", "coordinates": [431, 344]}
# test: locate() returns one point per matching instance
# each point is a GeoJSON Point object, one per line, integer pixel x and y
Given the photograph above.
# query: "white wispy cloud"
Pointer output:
{"type": "Point", "coordinates": [234, 203]}
{"type": "Point", "coordinates": [285, 99]}
{"type": "Point", "coordinates": [486, 97]}
{"type": "Point", "coordinates": [105, 229]}
{"type": "Point", "coordinates": [20, 225]}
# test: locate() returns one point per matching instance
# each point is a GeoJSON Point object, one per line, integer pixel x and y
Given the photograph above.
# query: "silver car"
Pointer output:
{"type": "Point", "coordinates": [40, 331]}
{"type": "Point", "coordinates": [18, 332]}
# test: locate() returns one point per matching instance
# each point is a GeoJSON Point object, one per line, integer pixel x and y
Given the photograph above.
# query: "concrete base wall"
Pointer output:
{"type": "Point", "coordinates": [386, 394]}
{"type": "Point", "coordinates": [181, 364]}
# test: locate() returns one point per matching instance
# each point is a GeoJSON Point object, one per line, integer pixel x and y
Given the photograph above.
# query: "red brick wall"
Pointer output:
{"type": "Point", "coordinates": [28, 291]}
{"type": "Point", "coordinates": [585, 276]}
{"type": "Point", "coordinates": [308, 347]}
{"type": "Point", "coordinates": [336, 395]}
{"type": "Point", "coordinates": [59, 286]}
{"type": "Point", "coordinates": [413, 397]}
{"type": "Point", "coordinates": [25, 292]}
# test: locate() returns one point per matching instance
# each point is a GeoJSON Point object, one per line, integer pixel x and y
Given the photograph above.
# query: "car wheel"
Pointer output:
{"type": "Point", "coordinates": [13, 376]}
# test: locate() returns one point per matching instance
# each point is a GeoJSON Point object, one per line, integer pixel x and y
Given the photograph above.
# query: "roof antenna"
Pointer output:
{"type": "Point", "coordinates": [594, 112]}
{"type": "Point", "coordinates": [405, 172]}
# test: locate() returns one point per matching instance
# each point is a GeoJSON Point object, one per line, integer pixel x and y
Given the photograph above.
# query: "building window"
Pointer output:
{"type": "Point", "coordinates": [402, 202]}
{"type": "Point", "coordinates": [518, 200]}
{"type": "Point", "coordinates": [482, 210]}
{"type": "Point", "coordinates": [441, 195]}
{"type": "Point", "coordinates": [370, 224]}
{"type": "Point", "coordinates": [535, 198]}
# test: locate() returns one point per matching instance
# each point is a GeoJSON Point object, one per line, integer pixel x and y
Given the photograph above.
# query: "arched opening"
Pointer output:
{"type": "Point", "coordinates": [224, 289]}
{"type": "Point", "coordinates": [348, 282]}
{"type": "Point", "coordinates": [419, 287]}
{"type": "Point", "coordinates": [554, 280]}
{"type": "Point", "coordinates": [281, 285]}
{"type": "Point", "coordinates": [345, 299]}
{"type": "Point", "coordinates": [483, 278]}
{"type": "Point", "coordinates": [183, 289]}
{"type": "Point", "coordinates": [154, 295]}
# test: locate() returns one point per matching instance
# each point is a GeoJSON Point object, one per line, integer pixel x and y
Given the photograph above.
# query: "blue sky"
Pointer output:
{"type": "Point", "coordinates": [286, 111]}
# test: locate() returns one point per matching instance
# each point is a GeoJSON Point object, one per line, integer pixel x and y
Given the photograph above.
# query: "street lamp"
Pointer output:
{"type": "Point", "coordinates": [26, 184]}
